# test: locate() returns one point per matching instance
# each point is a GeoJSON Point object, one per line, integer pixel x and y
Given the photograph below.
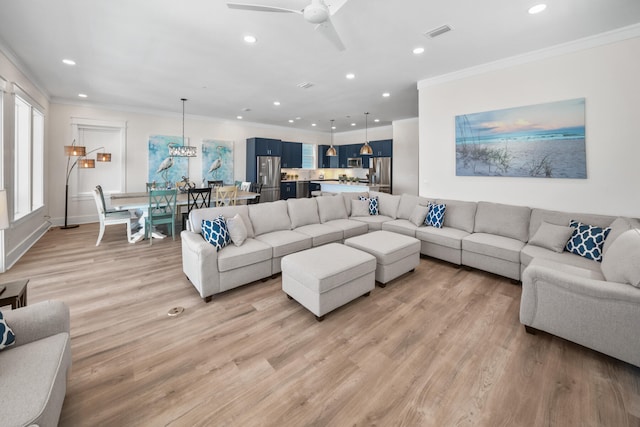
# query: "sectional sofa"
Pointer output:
{"type": "Point", "coordinates": [498, 238]}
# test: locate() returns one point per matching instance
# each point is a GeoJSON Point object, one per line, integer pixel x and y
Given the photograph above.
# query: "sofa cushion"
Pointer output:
{"type": "Point", "coordinates": [503, 220]}
{"type": "Point", "coordinates": [585, 273]}
{"type": "Point", "coordinates": [321, 233]}
{"type": "Point", "coordinates": [562, 218]}
{"type": "Point", "coordinates": [348, 196]}
{"type": "Point", "coordinates": [373, 204]}
{"type": "Point", "coordinates": [7, 337]}
{"type": "Point", "coordinates": [587, 240]}
{"type": "Point", "coordinates": [419, 215]}
{"type": "Point", "coordinates": [407, 204]}
{"type": "Point", "coordinates": [303, 212]}
{"type": "Point", "coordinates": [349, 227]}
{"type": "Point", "coordinates": [387, 247]}
{"type": "Point", "coordinates": [251, 252]}
{"type": "Point", "coordinates": [285, 242]}
{"type": "Point", "coordinates": [460, 214]}
{"type": "Point", "coordinates": [621, 263]}
{"type": "Point", "coordinates": [400, 226]}
{"type": "Point", "coordinates": [494, 246]}
{"type": "Point", "coordinates": [197, 215]}
{"type": "Point", "coordinates": [387, 203]}
{"type": "Point", "coordinates": [448, 237]}
{"type": "Point", "coordinates": [215, 231]}
{"type": "Point", "coordinates": [268, 217]}
{"type": "Point", "coordinates": [331, 207]}
{"type": "Point", "coordinates": [435, 216]}
{"type": "Point", "coordinates": [373, 221]}
{"type": "Point", "coordinates": [359, 207]}
{"type": "Point", "coordinates": [237, 230]}
{"type": "Point", "coordinates": [618, 226]}
{"type": "Point", "coordinates": [531, 252]}
{"type": "Point", "coordinates": [551, 236]}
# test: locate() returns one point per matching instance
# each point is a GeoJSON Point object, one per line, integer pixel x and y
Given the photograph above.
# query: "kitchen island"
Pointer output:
{"type": "Point", "coordinates": [352, 187]}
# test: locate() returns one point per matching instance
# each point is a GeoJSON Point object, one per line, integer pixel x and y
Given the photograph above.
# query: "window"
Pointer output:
{"type": "Point", "coordinates": [308, 156]}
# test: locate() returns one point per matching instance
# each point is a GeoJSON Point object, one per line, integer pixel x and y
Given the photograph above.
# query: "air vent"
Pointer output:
{"type": "Point", "coordinates": [304, 85]}
{"type": "Point", "coordinates": [438, 31]}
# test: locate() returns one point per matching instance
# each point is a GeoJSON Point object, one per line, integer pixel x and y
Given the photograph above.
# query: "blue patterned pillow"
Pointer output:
{"type": "Point", "coordinates": [435, 217]}
{"type": "Point", "coordinates": [373, 204]}
{"type": "Point", "coordinates": [216, 232]}
{"type": "Point", "coordinates": [587, 240]}
{"type": "Point", "coordinates": [7, 337]}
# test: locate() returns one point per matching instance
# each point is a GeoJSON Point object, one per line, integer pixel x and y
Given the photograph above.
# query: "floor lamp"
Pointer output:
{"type": "Point", "coordinates": [80, 152]}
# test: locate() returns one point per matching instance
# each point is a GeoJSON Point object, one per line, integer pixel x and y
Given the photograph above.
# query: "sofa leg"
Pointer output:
{"type": "Point", "coordinates": [412, 270]}
{"type": "Point", "coordinates": [382, 285]}
{"type": "Point", "coordinates": [319, 318]}
{"type": "Point", "coordinates": [515, 282]}
{"type": "Point", "coordinates": [289, 296]}
{"type": "Point", "coordinates": [207, 299]}
{"type": "Point", "coordinates": [367, 294]}
{"type": "Point", "coordinates": [264, 279]}
{"type": "Point", "coordinates": [530, 330]}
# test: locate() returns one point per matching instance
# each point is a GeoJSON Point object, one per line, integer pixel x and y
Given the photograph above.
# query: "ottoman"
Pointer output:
{"type": "Point", "coordinates": [327, 277]}
{"type": "Point", "coordinates": [395, 253]}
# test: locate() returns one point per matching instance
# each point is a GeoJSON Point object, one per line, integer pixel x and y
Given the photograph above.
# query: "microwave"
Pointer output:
{"type": "Point", "coordinates": [354, 162]}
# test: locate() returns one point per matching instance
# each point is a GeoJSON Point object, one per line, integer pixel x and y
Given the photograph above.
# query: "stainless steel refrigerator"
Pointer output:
{"type": "Point", "coordinates": [380, 173]}
{"type": "Point", "coordinates": [269, 176]}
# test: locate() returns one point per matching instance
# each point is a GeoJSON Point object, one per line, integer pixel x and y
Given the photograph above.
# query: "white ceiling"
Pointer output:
{"type": "Point", "coordinates": [147, 55]}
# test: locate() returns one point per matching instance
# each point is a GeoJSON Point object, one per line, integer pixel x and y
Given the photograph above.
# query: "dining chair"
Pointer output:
{"type": "Point", "coordinates": [115, 217]}
{"type": "Point", "coordinates": [214, 184]}
{"type": "Point", "coordinates": [162, 210]}
{"type": "Point", "coordinates": [104, 205]}
{"type": "Point", "coordinates": [226, 195]}
{"type": "Point", "coordinates": [255, 188]}
{"type": "Point", "coordinates": [244, 186]}
{"type": "Point", "coordinates": [198, 198]}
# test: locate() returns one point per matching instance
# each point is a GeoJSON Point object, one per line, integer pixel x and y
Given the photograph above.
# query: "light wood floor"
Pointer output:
{"type": "Point", "coordinates": [440, 347]}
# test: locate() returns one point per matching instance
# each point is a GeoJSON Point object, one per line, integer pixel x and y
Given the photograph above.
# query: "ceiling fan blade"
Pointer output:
{"type": "Point", "coordinates": [329, 32]}
{"type": "Point", "coordinates": [261, 8]}
{"type": "Point", "coordinates": [334, 5]}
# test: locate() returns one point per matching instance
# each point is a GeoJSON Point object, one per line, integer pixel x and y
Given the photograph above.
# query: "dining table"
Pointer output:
{"type": "Point", "coordinates": [139, 202]}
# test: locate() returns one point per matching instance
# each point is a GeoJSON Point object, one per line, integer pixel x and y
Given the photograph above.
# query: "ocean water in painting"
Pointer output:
{"type": "Point", "coordinates": [162, 167]}
{"type": "Point", "coordinates": [217, 161]}
{"type": "Point", "coordinates": [544, 140]}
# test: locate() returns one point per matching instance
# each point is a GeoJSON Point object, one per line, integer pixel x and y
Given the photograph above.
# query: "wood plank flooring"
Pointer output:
{"type": "Point", "coordinates": [442, 346]}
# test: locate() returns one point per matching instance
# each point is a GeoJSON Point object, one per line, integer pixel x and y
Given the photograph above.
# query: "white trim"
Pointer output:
{"type": "Point", "coordinates": [613, 36]}
{"type": "Point", "coordinates": [17, 90]}
{"type": "Point", "coordinates": [3, 85]}
{"type": "Point", "coordinates": [22, 67]}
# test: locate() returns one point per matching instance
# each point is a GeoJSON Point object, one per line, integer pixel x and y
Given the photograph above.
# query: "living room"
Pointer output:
{"type": "Point", "coordinates": [601, 68]}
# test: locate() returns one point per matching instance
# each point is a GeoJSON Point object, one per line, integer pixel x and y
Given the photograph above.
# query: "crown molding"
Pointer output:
{"type": "Point", "coordinates": [22, 68]}
{"type": "Point", "coordinates": [613, 36]}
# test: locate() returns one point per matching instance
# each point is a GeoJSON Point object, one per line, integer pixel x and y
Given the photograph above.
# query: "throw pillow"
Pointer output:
{"type": "Point", "coordinates": [373, 204]}
{"type": "Point", "coordinates": [216, 232]}
{"type": "Point", "coordinates": [587, 240]}
{"type": "Point", "coordinates": [418, 215]}
{"type": "Point", "coordinates": [237, 230]}
{"type": "Point", "coordinates": [435, 217]}
{"type": "Point", "coordinates": [359, 208]}
{"type": "Point", "coordinates": [7, 337]}
{"type": "Point", "coordinates": [621, 263]}
{"type": "Point", "coordinates": [551, 236]}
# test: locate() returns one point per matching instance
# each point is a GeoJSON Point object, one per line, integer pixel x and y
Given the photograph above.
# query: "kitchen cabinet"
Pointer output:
{"type": "Point", "coordinates": [291, 155]}
{"type": "Point", "coordinates": [382, 148]}
{"type": "Point", "coordinates": [287, 190]}
{"type": "Point", "coordinates": [260, 147]}
{"type": "Point", "coordinates": [342, 156]}
{"type": "Point", "coordinates": [325, 161]}
{"type": "Point", "coordinates": [314, 186]}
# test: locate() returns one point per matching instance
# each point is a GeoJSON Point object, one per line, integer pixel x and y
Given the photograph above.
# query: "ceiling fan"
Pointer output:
{"type": "Point", "coordinates": [318, 12]}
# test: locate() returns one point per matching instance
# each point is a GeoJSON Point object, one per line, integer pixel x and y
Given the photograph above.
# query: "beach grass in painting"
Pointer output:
{"type": "Point", "coordinates": [544, 140]}
{"type": "Point", "coordinates": [162, 167]}
{"type": "Point", "coordinates": [217, 161]}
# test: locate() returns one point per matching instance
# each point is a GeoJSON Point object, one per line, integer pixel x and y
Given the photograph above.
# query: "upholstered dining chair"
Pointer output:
{"type": "Point", "coordinates": [226, 195]}
{"type": "Point", "coordinates": [215, 183]}
{"type": "Point", "coordinates": [198, 198]}
{"type": "Point", "coordinates": [104, 204]}
{"type": "Point", "coordinates": [162, 210]}
{"type": "Point", "coordinates": [115, 217]}
{"type": "Point", "coordinates": [244, 186]}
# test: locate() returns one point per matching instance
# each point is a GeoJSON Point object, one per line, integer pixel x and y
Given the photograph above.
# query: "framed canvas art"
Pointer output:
{"type": "Point", "coordinates": [217, 161]}
{"type": "Point", "coordinates": [543, 140]}
{"type": "Point", "coordinates": [162, 167]}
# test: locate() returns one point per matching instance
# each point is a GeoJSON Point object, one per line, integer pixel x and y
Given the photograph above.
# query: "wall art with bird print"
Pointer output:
{"type": "Point", "coordinates": [162, 167]}
{"type": "Point", "coordinates": [217, 161]}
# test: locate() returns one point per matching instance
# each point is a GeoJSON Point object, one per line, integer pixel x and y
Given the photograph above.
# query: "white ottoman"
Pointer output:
{"type": "Point", "coordinates": [395, 253]}
{"type": "Point", "coordinates": [327, 277]}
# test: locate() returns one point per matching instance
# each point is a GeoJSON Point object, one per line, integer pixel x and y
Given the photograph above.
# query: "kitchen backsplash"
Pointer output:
{"type": "Point", "coordinates": [313, 174]}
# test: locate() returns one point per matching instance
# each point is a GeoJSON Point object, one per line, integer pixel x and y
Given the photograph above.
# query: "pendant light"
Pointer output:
{"type": "Point", "coordinates": [182, 150]}
{"type": "Point", "coordinates": [366, 148]}
{"type": "Point", "coordinates": [331, 151]}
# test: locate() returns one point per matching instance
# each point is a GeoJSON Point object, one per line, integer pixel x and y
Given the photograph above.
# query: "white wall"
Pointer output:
{"type": "Point", "coordinates": [606, 75]}
{"type": "Point", "coordinates": [405, 156]}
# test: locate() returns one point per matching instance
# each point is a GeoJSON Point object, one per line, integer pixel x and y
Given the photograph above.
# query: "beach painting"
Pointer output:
{"type": "Point", "coordinates": [163, 168]}
{"type": "Point", "coordinates": [543, 141]}
{"type": "Point", "coordinates": [217, 161]}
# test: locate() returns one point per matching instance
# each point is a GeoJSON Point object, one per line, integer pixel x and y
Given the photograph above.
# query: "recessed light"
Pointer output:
{"type": "Point", "coordinates": [353, 124]}
{"type": "Point", "coordinates": [418, 50]}
{"type": "Point", "coordinates": [313, 124]}
{"type": "Point", "coordinates": [386, 94]}
{"type": "Point", "coordinates": [239, 117]}
{"type": "Point", "coordinates": [333, 127]}
{"type": "Point", "coordinates": [350, 76]}
{"type": "Point", "coordinates": [290, 120]}
{"type": "Point", "coordinates": [82, 95]}
{"type": "Point", "coordinates": [250, 39]}
{"type": "Point", "coordinates": [376, 120]}
{"type": "Point", "coordinates": [276, 103]}
{"type": "Point", "coordinates": [537, 8]}
{"type": "Point", "coordinates": [69, 62]}
{"type": "Point", "coordinates": [298, 118]}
